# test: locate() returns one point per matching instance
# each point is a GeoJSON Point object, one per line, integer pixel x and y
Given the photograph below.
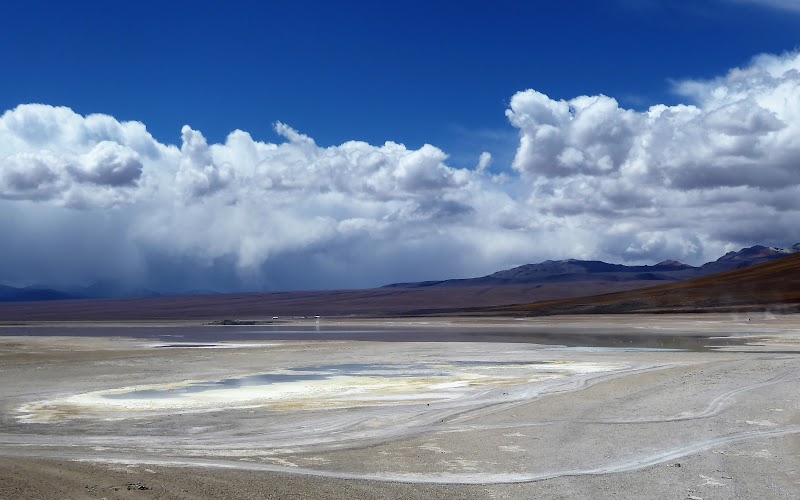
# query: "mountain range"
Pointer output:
{"type": "Point", "coordinates": [569, 286]}
{"type": "Point", "coordinates": [99, 290]}
{"type": "Point", "coordinates": [549, 272]}
{"type": "Point", "coordinates": [772, 286]}
{"type": "Point", "coordinates": [572, 270]}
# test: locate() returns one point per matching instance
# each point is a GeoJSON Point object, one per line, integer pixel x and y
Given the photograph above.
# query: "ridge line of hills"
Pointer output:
{"type": "Point", "coordinates": [573, 270]}
{"type": "Point", "coordinates": [772, 286]}
{"type": "Point", "coordinates": [549, 271]}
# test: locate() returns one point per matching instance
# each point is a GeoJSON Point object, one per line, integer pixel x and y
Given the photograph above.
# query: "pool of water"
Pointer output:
{"type": "Point", "coordinates": [323, 386]}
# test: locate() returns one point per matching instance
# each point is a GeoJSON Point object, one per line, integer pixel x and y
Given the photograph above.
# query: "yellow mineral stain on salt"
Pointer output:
{"type": "Point", "coordinates": [310, 388]}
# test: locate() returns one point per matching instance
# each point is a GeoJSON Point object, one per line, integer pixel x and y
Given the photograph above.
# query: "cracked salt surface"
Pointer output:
{"type": "Point", "coordinates": [322, 386]}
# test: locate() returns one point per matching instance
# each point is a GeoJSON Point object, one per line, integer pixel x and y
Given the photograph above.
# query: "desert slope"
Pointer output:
{"type": "Point", "coordinates": [773, 285]}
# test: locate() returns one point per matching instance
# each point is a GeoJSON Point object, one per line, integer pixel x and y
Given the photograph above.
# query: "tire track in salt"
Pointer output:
{"type": "Point", "coordinates": [635, 464]}
{"type": "Point", "coordinates": [716, 406]}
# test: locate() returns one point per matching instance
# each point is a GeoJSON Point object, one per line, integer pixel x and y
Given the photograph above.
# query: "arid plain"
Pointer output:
{"type": "Point", "coordinates": [635, 406]}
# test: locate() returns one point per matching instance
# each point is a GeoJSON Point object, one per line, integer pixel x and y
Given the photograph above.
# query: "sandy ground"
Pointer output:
{"type": "Point", "coordinates": [462, 408]}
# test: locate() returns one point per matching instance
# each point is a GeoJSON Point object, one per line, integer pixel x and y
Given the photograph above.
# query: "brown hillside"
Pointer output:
{"type": "Point", "coordinates": [774, 285]}
{"type": "Point", "coordinates": [374, 302]}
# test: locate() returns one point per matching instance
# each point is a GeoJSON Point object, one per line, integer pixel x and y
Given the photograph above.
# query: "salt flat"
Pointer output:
{"type": "Point", "coordinates": [641, 406]}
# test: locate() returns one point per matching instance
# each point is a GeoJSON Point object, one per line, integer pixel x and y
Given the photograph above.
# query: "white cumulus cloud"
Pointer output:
{"type": "Point", "coordinates": [684, 178]}
{"type": "Point", "coordinates": [92, 197]}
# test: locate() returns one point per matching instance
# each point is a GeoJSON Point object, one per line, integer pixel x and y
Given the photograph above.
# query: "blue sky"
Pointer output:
{"type": "Point", "coordinates": [414, 72]}
{"type": "Point", "coordinates": [128, 166]}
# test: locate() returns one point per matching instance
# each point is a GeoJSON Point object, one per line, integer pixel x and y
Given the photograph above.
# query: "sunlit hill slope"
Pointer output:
{"type": "Point", "coordinates": [773, 285]}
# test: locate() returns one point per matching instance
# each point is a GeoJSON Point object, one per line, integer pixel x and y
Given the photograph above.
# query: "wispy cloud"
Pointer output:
{"type": "Point", "coordinates": [704, 7]}
{"type": "Point", "coordinates": [790, 5]}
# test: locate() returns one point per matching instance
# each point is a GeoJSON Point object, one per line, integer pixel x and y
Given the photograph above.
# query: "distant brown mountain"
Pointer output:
{"type": "Point", "coordinates": [549, 272]}
{"type": "Point", "coordinates": [773, 285]}
{"type": "Point", "coordinates": [573, 270]}
{"type": "Point", "coordinates": [533, 283]}
{"type": "Point", "coordinates": [747, 257]}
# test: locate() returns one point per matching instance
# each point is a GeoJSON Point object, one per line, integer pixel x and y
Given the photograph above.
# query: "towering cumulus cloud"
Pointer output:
{"type": "Point", "coordinates": [723, 167]}
{"type": "Point", "coordinates": [53, 154]}
{"type": "Point", "coordinates": [85, 198]}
